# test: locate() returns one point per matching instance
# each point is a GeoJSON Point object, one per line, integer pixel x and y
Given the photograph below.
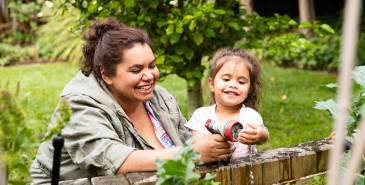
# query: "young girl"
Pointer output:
{"type": "Point", "coordinates": [235, 81]}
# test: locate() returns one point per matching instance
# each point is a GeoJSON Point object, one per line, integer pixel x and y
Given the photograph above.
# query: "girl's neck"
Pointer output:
{"type": "Point", "coordinates": [225, 113]}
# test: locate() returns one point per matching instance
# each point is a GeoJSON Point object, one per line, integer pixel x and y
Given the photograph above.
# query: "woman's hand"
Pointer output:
{"type": "Point", "coordinates": [256, 135]}
{"type": "Point", "coordinates": [213, 147]}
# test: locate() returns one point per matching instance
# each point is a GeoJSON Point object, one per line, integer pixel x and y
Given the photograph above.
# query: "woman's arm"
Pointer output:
{"type": "Point", "coordinates": [213, 147]}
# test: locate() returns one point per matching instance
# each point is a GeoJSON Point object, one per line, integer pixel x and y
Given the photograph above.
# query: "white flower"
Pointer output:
{"type": "Point", "coordinates": [100, 8]}
{"type": "Point", "coordinates": [49, 4]}
{"type": "Point", "coordinates": [40, 14]}
{"type": "Point", "coordinates": [94, 2]}
{"type": "Point", "coordinates": [72, 1]}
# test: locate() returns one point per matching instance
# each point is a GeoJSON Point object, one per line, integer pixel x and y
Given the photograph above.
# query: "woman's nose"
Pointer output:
{"type": "Point", "coordinates": [147, 76]}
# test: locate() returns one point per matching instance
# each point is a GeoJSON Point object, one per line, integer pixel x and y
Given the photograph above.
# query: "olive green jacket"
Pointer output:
{"type": "Point", "coordinates": [100, 136]}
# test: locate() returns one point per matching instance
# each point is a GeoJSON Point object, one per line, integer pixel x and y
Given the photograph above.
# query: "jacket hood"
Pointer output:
{"type": "Point", "coordinates": [89, 86]}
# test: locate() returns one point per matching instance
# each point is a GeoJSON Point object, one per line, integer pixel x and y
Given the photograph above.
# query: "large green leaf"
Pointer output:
{"type": "Point", "coordinates": [359, 75]}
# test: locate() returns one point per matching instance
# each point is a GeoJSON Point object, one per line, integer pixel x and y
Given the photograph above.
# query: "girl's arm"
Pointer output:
{"type": "Point", "coordinates": [212, 147]}
{"type": "Point", "coordinates": [257, 135]}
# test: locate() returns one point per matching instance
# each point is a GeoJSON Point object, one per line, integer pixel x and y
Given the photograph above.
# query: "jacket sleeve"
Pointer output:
{"type": "Point", "coordinates": [91, 140]}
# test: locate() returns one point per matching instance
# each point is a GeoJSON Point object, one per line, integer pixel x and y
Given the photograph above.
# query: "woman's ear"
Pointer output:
{"type": "Point", "coordinates": [211, 84]}
{"type": "Point", "coordinates": [105, 77]}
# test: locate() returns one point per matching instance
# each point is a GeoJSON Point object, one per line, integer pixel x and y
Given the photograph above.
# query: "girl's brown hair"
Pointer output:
{"type": "Point", "coordinates": [254, 97]}
{"type": "Point", "coordinates": [105, 44]}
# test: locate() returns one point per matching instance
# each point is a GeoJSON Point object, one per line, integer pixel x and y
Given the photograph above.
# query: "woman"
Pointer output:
{"type": "Point", "coordinates": [121, 119]}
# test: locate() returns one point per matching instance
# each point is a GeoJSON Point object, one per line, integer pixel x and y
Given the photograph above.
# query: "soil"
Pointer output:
{"type": "Point", "coordinates": [34, 61]}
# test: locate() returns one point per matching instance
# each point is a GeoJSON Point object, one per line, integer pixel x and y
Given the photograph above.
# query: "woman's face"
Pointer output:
{"type": "Point", "coordinates": [135, 77]}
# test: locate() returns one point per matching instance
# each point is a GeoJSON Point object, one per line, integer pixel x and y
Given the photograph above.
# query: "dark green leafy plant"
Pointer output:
{"type": "Point", "coordinates": [63, 118]}
{"type": "Point", "coordinates": [14, 135]}
{"type": "Point", "coordinates": [358, 100]}
{"type": "Point", "coordinates": [180, 169]}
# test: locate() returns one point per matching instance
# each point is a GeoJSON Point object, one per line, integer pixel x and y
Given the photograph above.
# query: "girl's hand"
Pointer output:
{"type": "Point", "coordinates": [256, 135]}
{"type": "Point", "coordinates": [213, 147]}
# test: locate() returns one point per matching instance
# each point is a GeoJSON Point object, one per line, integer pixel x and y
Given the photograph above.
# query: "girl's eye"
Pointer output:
{"type": "Point", "coordinates": [225, 79]}
{"type": "Point", "coordinates": [241, 82]}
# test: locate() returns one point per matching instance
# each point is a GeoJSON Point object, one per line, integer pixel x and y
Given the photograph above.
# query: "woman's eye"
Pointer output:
{"type": "Point", "coordinates": [136, 71]}
{"type": "Point", "coordinates": [152, 66]}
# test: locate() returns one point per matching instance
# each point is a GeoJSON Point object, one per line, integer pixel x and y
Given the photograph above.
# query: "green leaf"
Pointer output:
{"type": "Point", "coordinates": [104, 13]}
{"type": "Point", "coordinates": [114, 4]}
{"type": "Point", "coordinates": [160, 59]}
{"type": "Point", "coordinates": [153, 4]}
{"type": "Point", "coordinates": [209, 32]}
{"type": "Point", "coordinates": [179, 30]}
{"type": "Point", "coordinates": [198, 38]}
{"type": "Point", "coordinates": [329, 105]}
{"type": "Point", "coordinates": [215, 24]}
{"type": "Point", "coordinates": [93, 7]}
{"type": "Point", "coordinates": [234, 25]}
{"type": "Point", "coordinates": [189, 54]}
{"type": "Point", "coordinates": [192, 25]}
{"type": "Point", "coordinates": [176, 58]}
{"type": "Point", "coordinates": [19, 140]}
{"type": "Point", "coordinates": [129, 3]}
{"type": "Point", "coordinates": [332, 87]}
{"type": "Point", "coordinates": [359, 75]}
{"type": "Point", "coordinates": [220, 11]}
{"type": "Point", "coordinates": [327, 28]}
{"type": "Point", "coordinates": [170, 29]}
{"type": "Point", "coordinates": [174, 38]}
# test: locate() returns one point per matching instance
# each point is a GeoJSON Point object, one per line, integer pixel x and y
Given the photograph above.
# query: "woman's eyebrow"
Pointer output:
{"type": "Point", "coordinates": [139, 65]}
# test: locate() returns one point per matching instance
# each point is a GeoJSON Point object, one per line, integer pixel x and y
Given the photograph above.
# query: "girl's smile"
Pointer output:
{"type": "Point", "coordinates": [231, 85]}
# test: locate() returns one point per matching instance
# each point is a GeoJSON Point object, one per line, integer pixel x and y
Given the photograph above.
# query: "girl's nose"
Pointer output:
{"type": "Point", "coordinates": [233, 84]}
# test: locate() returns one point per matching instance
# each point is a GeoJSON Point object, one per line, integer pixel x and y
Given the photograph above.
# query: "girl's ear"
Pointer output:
{"type": "Point", "coordinates": [211, 84]}
{"type": "Point", "coordinates": [106, 78]}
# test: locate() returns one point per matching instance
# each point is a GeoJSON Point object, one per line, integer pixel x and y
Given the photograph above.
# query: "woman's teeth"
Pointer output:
{"type": "Point", "coordinates": [143, 88]}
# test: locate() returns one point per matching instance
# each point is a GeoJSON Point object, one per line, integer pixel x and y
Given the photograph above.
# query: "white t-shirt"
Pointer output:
{"type": "Point", "coordinates": [246, 115]}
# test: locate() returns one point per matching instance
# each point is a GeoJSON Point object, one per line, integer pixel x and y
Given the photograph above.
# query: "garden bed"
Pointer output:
{"type": "Point", "coordinates": [295, 164]}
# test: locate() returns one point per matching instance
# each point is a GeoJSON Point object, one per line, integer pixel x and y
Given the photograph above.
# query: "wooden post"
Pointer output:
{"type": "Point", "coordinates": [348, 51]}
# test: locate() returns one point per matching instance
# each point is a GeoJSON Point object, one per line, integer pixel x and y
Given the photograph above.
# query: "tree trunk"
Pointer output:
{"type": "Point", "coordinates": [195, 98]}
{"type": "Point", "coordinates": [306, 14]}
{"type": "Point", "coordinates": [249, 6]}
{"type": "Point", "coordinates": [3, 175]}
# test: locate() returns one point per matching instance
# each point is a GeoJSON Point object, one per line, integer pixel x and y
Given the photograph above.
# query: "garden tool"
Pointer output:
{"type": "Point", "coordinates": [229, 130]}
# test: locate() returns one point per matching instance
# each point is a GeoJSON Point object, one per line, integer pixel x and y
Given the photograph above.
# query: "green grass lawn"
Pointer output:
{"type": "Point", "coordinates": [291, 120]}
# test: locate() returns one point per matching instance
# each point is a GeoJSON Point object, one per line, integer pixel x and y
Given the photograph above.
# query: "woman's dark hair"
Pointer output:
{"type": "Point", "coordinates": [220, 58]}
{"type": "Point", "coordinates": [105, 43]}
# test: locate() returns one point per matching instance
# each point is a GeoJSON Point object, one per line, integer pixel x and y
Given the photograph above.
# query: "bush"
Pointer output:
{"type": "Point", "coordinates": [14, 53]}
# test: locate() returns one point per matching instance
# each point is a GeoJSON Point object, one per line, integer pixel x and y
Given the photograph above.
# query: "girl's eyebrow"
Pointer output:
{"type": "Point", "coordinates": [139, 65]}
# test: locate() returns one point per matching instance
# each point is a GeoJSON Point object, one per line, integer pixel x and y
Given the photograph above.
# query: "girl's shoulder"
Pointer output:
{"type": "Point", "coordinates": [250, 115]}
{"type": "Point", "coordinates": [205, 110]}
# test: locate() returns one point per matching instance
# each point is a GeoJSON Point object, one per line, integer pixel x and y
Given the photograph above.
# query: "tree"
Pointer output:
{"type": "Point", "coordinates": [183, 32]}
{"type": "Point", "coordinates": [306, 14]}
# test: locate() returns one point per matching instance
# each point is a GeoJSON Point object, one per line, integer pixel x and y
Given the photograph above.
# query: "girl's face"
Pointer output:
{"type": "Point", "coordinates": [135, 77]}
{"type": "Point", "coordinates": [231, 85]}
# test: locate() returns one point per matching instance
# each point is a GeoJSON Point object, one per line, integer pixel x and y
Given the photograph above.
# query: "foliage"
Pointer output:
{"type": "Point", "coordinates": [64, 111]}
{"type": "Point", "coordinates": [180, 169]}
{"type": "Point", "coordinates": [282, 43]}
{"type": "Point", "coordinates": [360, 175]}
{"type": "Point", "coordinates": [358, 100]}
{"type": "Point", "coordinates": [318, 180]}
{"type": "Point", "coordinates": [26, 16]}
{"type": "Point", "coordinates": [56, 39]}
{"type": "Point", "coordinates": [17, 140]}
{"type": "Point", "coordinates": [182, 33]}
{"type": "Point", "coordinates": [12, 53]}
